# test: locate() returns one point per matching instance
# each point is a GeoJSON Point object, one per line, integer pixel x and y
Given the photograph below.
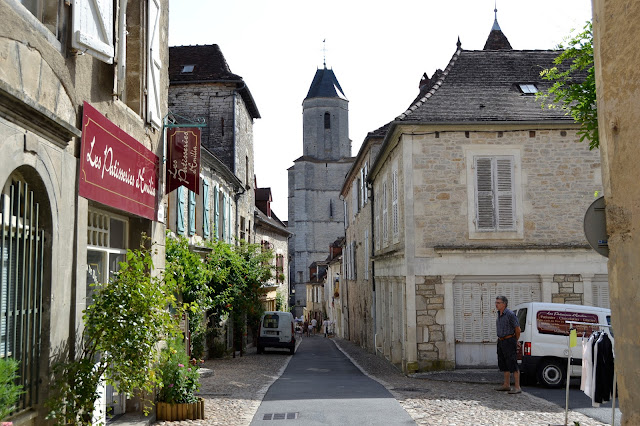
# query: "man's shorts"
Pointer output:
{"type": "Point", "coordinates": [507, 360]}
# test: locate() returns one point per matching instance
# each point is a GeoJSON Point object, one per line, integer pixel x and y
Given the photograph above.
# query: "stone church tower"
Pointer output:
{"type": "Point", "coordinates": [316, 213]}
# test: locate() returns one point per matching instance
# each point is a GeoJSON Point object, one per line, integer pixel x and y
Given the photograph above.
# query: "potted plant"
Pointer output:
{"type": "Point", "coordinates": [179, 383]}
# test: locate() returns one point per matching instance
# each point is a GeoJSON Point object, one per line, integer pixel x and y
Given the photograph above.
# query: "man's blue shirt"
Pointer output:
{"type": "Point", "coordinates": [506, 323]}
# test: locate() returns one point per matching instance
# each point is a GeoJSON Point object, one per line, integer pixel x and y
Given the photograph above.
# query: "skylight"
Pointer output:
{"type": "Point", "coordinates": [528, 89]}
{"type": "Point", "coordinates": [187, 68]}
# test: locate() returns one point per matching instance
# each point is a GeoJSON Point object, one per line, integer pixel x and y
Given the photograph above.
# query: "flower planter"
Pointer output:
{"type": "Point", "coordinates": [180, 411]}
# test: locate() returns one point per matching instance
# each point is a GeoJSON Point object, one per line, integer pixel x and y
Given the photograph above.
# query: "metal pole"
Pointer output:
{"type": "Point", "coordinates": [567, 380]}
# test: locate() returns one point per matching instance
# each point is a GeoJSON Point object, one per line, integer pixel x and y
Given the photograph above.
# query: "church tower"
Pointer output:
{"type": "Point", "coordinates": [316, 213]}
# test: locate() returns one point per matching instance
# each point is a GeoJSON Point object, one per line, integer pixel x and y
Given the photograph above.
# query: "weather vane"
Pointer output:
{"type": "Point", "coordinates": [324, 52]}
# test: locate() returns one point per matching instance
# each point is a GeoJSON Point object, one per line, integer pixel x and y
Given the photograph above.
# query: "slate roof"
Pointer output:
{"type": "Point", "coordinates": [325, 85]}
{"type": "Point", "coordinates": [209, 66]}
{"type": "Point", "coordinates": [483, 85]}
{"type": "Point", "coordinates": [274, 222]}
{"type": "Point", "coordinates": [497, 40]}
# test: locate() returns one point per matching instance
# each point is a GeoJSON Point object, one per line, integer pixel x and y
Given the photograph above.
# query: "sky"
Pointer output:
{"type": "Point", "coordinates": [378, 50]}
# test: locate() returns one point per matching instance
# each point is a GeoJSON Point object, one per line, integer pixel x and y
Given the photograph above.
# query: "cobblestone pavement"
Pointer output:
{"type": "Point", "coordinates": [234, 392]}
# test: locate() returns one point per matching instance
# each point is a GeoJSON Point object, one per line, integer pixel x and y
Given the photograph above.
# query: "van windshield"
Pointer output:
{"type": "Point", "coordinates": [270, 321]}
{"type": "Point", "coordinates": [522, 318]}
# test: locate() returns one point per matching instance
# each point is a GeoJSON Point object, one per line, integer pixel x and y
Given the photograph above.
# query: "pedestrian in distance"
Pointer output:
{"type": "Point", "coordinates": [325, 324]}
{"type": "Point", "coordinates": [307, 327]}
{"type": "Point", "coordinates": [314, 324]}
{"type": "Point", "coordinates": [508, 330]}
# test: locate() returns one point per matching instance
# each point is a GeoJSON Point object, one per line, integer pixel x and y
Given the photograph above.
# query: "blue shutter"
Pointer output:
{"type": "Point", "coordinates": [229, 220]}
{"type": "Point", "coordinates": [180, 209]}
{"type": "Point", "coordinates": [192, 212]}
{"type": "Point", "coordinates": [206, 223]}
{"type": "Point", "coordinates": [216, 213]}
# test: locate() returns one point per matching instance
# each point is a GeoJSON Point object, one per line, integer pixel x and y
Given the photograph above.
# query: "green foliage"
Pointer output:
{"type": "Point", "coordinates": [280, 301]}
{"type": "Point", "coordinates": [569, 90]}
{"type": "Point", "coordinates": [9, 390]}
{"type": "Point", "coordinates": [179, 378]}
{"type": "Point", "coordinates": [129, 316]}
{"type": "Point", "coordinates": [192, 278]}
{"type": "Point", "coordinates": [226, 284]}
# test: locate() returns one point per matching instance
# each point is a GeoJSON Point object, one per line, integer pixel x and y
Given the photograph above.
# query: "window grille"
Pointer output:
{"type": "Point", "coordinates": [21, 283]}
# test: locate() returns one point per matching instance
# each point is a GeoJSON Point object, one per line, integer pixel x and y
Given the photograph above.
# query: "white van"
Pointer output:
{"type": "Point", "coordinates": [544, 338]}
{"type": "Point", "coordinates": [276, 331]}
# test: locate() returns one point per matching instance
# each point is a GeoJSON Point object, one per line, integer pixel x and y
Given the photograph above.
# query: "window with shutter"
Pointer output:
{"type": "Point", "coordinates": [154, 65]}
{"type": "Point", "coordinates": [366, 255]}
{"type": "Point", "coordinates": [385, 218]}
{"type": "Point", "coordinates": [92, 26]}
{"type": "Point", "coordinates": [495, 195]}
{"type": "Point", "coordinates": [192, 213]}
{"type": "Point", "coordinates": [354, 199]}
{"type": "Point", "coordinates": [206, 221]}
{"type": "Point", "coordinates": [394, 203]}
{"type": "Point", "coordinates": [216, 213]}
{"type": "Point", "coordinates": [180, 210]}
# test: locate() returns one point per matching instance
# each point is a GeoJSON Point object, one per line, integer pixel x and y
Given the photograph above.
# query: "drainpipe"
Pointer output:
{"type": "Point", "coordinates": [373, 263]}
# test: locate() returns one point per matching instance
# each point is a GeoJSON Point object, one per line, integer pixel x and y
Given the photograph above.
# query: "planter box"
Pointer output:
{"type": "Point", "coordinates": [180, 411]}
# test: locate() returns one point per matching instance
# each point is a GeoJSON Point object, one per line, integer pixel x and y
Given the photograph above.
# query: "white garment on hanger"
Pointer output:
{"type": "Point", "coordinates": [585, 360]}
{"type": "Point", "coordinates": [587, 363]}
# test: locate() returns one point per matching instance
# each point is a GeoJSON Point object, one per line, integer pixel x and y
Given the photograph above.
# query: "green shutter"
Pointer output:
{"type": "Point", "coordinates": [192, 213]}
{"type": "Point", "coordinates": [180, 209]}
{"type": "Point", "coordinates": [206, 224]}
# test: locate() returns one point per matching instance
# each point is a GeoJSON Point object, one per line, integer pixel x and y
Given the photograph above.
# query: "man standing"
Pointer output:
{"type": "Point", "coordinates": [314, 324]}
{"type": "Point", "coordinates": [508, 330]}
{"type": "Point", "coordinates": [325, 324]}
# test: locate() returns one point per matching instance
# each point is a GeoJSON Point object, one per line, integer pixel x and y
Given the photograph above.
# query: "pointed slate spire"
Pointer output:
{"type": "Point", "coordinates": [497, 40]}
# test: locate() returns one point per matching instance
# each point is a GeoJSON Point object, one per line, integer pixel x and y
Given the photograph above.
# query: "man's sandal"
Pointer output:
{"type": "Point", "coordinates": [503, 389]}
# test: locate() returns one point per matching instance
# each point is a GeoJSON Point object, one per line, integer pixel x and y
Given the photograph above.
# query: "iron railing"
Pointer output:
{"type": "Point", "coordinates": [21, 282]}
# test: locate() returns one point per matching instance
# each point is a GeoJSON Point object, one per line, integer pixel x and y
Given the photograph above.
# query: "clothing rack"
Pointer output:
{"type": "Point", "coordinates": [568, 379]}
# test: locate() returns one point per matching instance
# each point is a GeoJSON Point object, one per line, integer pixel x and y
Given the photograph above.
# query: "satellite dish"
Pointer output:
{"type": "Point", "coordinates": [595, 227]}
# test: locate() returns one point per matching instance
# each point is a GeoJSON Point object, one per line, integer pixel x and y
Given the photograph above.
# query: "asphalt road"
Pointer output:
{"type": "Point", "coordinates": [578, 401]}
{"type": "Point", "coordinates": [320, 386]}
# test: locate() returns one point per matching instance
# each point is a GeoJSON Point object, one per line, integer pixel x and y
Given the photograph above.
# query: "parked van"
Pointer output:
{"type": "Point", "coordinates": [276, 331]}
{"type": "Point", "coordinates": [544, 338]}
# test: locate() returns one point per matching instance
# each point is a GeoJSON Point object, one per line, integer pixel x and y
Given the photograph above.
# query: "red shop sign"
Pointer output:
{"type": "Point", "coordinates": [116, 169]}
{"type": "Point", "coordinates": [183, 165]}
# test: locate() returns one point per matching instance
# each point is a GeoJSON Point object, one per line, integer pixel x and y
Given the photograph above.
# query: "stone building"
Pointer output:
{"type": "Point", "coordinates": [478, 191]}
{"type": "Point", "coordinates": [617, 82]}
{"type": "Point", "coordinates": [272, 234]}
{"type": "Point", "coordinates": [202, 87]}
{"type": "Point", "coordinates": [358, 281]}
{"type": "Point", "coordinates": [69, 80]}
{"type": "Point", "coordinates": [315, 211]}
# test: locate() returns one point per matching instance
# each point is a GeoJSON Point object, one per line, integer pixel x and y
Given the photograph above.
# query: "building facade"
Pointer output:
{"type": "Point", "coordinates": [478, 192]}
{"type": "Point", "coordinates": [273, 235]}
{"type": "Point", "coordinates": [204, 90]}
{"type": "Point", "coordinates": [69, 79]}
{"type": "Point", "coordinates": [358, 279]}
{"type": "Point", "coordinates": [315, 210]}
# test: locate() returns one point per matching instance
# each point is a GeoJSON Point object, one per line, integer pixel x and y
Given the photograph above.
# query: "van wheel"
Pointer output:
{"type": "Point", "coordinates": [551, 373]}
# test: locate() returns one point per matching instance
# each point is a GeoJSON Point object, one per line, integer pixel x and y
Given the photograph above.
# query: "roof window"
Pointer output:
{"type": "Point", "coordinates": [528, 89]}
{"type": "Point", "coordinates": [187, 68]}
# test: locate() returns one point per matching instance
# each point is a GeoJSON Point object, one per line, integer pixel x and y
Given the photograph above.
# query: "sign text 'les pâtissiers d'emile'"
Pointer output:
{"type": "Point", "coordinates": [183, 165]}
{"type": "Point", "coordinates": [116, 169]}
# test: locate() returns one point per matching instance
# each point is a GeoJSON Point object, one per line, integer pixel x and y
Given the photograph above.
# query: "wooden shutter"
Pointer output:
{"type": "Point", "coordinates": [505, 194]}
{"type": "Point", "coordinates": [600, 291]}
{"type": "Point", "coordinates": [216, 212]}
{"type": "Point", "coordinates": [192, 212]}
{"type": "Point", "coordinates": [206, 220]}
{"type": "Point", "coordinates": [92, 28]}
{"type": "Point", "coordinates": [180, 209]}
{"type": "Point", "coordinates": [484, 194]}
{"type": "Point", "coordinates": [154, 65]}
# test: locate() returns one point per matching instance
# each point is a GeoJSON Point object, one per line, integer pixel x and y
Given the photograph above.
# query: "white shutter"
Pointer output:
{"type": "Point", "coordinates": [364, 183]}
{"type": "Point", "coordinates": [600, 294]}
{"type": "Point", "coordinates": [505, 194]}
{"type": "Point", "coordinates": [92, 28]}
{"type": "Point", "coordinates": [366, 254]}
{"type": "Point", "coordinates": [154, 65]}
{"type": "Point", "coordinates": [484, 194]}
{"type": "Point", "coordinates": [394, 203]}
{"type": "Point", "coordinates": [346, 214]}
{"type": "Point", "coordinates": [354, 198]}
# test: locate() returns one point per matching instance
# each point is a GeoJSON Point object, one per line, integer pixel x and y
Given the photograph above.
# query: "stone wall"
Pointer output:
{"type": "Point", "coordinates": [570, 289]}
{"type": "Point", "coordinates": [430, 324]}
{"type": "Point", "coordinates": [558, 178]}
{"type": "Point", "coordinates": [616, 37]}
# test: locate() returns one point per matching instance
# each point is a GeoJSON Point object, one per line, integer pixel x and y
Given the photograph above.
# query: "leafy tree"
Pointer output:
{"type": "Point", "coordinates": [128, 317]}
{"type": "Point", "coordinates": [9, 390]}
{"type": "Point", "coordinates": [574, 86]}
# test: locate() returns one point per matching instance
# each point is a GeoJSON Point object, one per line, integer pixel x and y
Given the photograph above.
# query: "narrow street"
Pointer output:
{"type": "Point", "coordinates": [321, 386]}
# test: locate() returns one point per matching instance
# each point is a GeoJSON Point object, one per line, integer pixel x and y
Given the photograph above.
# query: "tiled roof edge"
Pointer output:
{"type": "Point", "coordinates": [435, 86]}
